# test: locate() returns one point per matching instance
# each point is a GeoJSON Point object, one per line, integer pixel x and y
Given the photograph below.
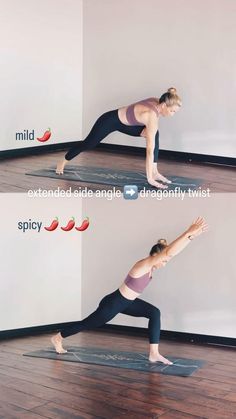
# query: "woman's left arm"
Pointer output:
{"type": "Point", "coordinates": [151, 129]}
{"type": "Point", "coordinates": [198, 227]}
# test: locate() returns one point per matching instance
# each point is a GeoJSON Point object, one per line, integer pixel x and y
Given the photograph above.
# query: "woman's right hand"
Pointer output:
{"type": "Point", "coordinates": [198, 227]}
{"type": "Point", "coordinates": [153, 182]}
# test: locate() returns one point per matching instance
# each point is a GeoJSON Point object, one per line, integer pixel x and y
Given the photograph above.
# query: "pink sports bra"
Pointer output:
{"type": "Point", "coordinates": [130, 116]}
{"type": "Point", "coordinates": [138, 284]}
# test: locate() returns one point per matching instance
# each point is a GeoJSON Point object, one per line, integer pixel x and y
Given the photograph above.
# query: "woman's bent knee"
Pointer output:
{"type": "Point", "coordinates": [155, 313]}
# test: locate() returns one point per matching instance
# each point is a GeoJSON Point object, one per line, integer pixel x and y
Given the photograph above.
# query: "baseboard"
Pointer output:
{"type": "Point", "coordinates": [124, 330]}
{"type": "Point", "coordinates": [37, 150]}
{"type": "Point", "coordinates": [122, 149]}
{"type": "Point", "coordinates": [175, 336]}
{"type": "Point", "coordinates": [32, 331]}
{"type": "Point", "coordinates": [171, 155]}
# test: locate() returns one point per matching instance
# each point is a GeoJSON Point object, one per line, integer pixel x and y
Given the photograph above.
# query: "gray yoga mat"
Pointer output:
{"type": "Point", "coordinates": [113, 177]}
{"type": "Point", "coordinates": [129, 360]}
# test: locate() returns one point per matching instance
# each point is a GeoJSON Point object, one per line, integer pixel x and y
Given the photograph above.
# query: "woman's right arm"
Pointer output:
{"type": "Point", "coordinates": [198, 227]}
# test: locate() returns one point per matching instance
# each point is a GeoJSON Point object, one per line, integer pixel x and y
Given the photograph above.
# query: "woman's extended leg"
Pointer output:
{"type": "Point", "coordinates": [108, 308]}
{"type": "Point", "coordinates": [140, 308]}
{"type": "Point", "coordinates": [105, 125]}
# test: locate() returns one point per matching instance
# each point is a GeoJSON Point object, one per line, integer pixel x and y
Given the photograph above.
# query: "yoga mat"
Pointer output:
{"type": "Point", "coordinates": [113, 177]}
{"type": "Point", "coordinates": [129, 360]}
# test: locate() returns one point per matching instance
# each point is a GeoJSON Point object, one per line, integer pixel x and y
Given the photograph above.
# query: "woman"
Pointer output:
{"type": "Point", "coordinates": [125, 299]}
{"type": "Point", "coordinates": [139, 120]}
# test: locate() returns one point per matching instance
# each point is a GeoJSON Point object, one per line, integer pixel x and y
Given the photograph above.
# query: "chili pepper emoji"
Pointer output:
{"type": "Point", "coordinates": [69, 225]}
{"type": "Point", "coordinates": [53, 225]}
{"type": "Point", "coordinates": [45, 136]}
{"type": "Point", "coordinates": [84, 225]}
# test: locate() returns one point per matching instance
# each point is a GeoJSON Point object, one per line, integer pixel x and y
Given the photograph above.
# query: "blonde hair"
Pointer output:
{"type": "Point", "coordinates": [170, 98]}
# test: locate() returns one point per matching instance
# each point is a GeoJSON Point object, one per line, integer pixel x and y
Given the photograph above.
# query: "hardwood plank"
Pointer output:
{"type": "Point", "coordinates": [174, 414]}
{"type": "Point", "coordinates": [57, 411]}
{"type": "Point", "coordinates": [12, 171]}
{"type": "Point", "coordinates": [9, 411]}
{"type": "Point", "coordinates": [60, 389]}
{"type": "Point", "coordinates": [77, 396]}
{"type": "Point", "coordinates": [16, 397]}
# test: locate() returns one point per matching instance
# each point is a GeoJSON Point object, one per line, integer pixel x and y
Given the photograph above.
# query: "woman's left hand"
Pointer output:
{"type": "Point", "coordinates": [198, 227]}
{"type": "Point", "coordinates": [158, 176]}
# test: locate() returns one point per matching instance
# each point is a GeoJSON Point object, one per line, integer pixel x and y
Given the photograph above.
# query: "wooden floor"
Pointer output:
{"type": "Point", "coordinates": [41, 388]}
{"type": "Point", "coordinates": [13, 179]}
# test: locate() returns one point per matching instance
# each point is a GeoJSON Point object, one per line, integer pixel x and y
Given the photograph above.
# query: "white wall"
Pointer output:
{"type": "Point", "coordinates": [196, 290]}
{"type": "Point", "coordinates": [135, 49]}
{"type": "Point", "coordinates": [132, 49]}
{"type": "Point", "coordinates": [44, 275]}
{"type": "Point", "coordinates": [40, 272]}
{"type": "Point", "coordinates": [41, 70]}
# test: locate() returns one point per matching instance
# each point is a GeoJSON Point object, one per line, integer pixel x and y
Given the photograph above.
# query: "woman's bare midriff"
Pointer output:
{"type": "Point", "coordinates": [139, 110]}
{"type": "Point", "coordinates": [122, 115]}
{"type": "Point", "coordinates": [123, 119]}
{"type": "Point", "coordinates": [127, 292]}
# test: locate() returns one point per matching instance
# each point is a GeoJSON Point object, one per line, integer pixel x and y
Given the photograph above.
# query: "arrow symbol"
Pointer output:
{"type": "Point", "coordinates": [130, 192]}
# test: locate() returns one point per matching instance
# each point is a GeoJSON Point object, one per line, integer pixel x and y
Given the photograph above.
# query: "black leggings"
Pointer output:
{"type": "Point", "coordinates": [105, 124]}
{"type": "Point", "coordinates": [110, 306]}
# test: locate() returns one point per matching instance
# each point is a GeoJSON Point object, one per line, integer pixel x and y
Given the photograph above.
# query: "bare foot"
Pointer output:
{"type": "Point", "coordinates": [158, 176]}
{"type": "Point", "coordinates": [60, 167]}
{"type": "Point", "coordinates": [161, 186]}
{"type": "Point", "coordinates": [157, 184]}
{"type": "Point", "coordinates": [57, 343]}
{"type": "Point", "coordinates": [159, 358]}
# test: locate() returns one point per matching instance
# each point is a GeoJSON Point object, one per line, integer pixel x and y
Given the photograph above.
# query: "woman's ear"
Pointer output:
{"type": "Point", "coordinates": [163, 107]}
